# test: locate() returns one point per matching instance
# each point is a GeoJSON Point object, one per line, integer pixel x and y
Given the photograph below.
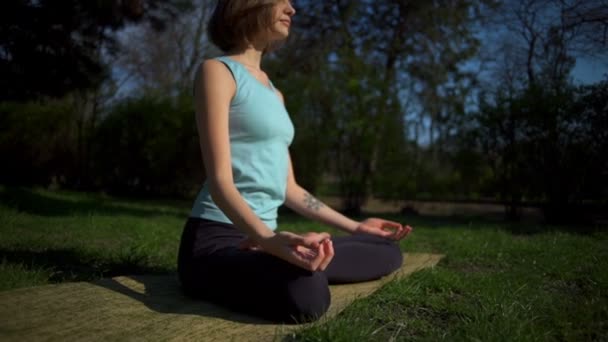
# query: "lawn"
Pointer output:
{"type": "Point", "coordinates": [519, 282]}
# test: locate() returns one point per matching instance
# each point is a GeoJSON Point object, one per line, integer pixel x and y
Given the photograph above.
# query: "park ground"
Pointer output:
{"type": "Point", "coordinates": [498, 281]}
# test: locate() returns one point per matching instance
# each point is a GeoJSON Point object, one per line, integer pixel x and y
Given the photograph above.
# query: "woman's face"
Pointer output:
{"type": "Point", "coordinates": [283, 11]}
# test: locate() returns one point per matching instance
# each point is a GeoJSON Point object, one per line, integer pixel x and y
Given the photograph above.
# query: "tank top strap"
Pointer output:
{"type": "Point", "coordinates": [233, 66]}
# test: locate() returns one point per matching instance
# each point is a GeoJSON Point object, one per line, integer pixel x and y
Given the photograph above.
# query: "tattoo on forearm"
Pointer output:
{"type": "Point", "coordinates": [312, 203]}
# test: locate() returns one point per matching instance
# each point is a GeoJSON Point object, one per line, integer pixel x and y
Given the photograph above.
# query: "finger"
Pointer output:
{"type": "Point", "coordinates": [325, 247]}
{"type": "Point", "coordinates": [401, 234]}
{"type": "Point", "coordinates": [319, 258]}
{"type": "Point", "coordinates": [396, 234]}
{"type": "Point", "coordinates": [405, 232]}
{"type": "Point", "coordinates": [300, 262]}
{"type": "Point", "coordinates": [328, 247]}
{"type": "Point", "coordinates": [384, 233]}
{"type": "Point", "coordinates": [315, 235]}
{"type": "Point", "coordinates": [299, 240]}
{"type": "Point", "coordinates": [305, 253]}
{"type": "Point", "coordinates": [301, 259]}
{"type": "Point", "coordinates": [306, 258]}
{"type": "Point", "coordinates": [320, 236]}
{"type": "Point", "coordinates": [391, 225]}
{"type": "Point", "coordinates": [314, 240]}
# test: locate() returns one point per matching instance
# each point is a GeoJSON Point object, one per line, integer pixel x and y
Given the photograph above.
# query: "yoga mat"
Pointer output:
{"type": "Point", "coordinates": [144, 308]}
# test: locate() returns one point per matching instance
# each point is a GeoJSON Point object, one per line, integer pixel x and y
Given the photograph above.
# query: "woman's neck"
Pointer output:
{"type": "Point", "coordinates": [250, 56]}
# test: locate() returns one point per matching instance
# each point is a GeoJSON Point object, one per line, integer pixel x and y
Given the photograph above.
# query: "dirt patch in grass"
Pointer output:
{"type": "Point", "coordinates": [494, 211]}
{"type": "Point", "coordinates": [420, 321]}
{"type": "Point", "coordinates": [470, 268]}
{"type": "Point", "coordinates": [572, 288]}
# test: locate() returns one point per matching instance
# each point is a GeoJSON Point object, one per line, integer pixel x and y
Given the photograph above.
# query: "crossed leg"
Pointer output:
{"type": "Point", "coordinates": [260, 284]}
{"type": "Point", "coordinates": [360, 258]}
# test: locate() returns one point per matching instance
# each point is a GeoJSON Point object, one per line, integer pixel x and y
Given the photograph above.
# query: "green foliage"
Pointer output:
{"type": "Point", "coordinates": [350, 66]}
{"type": "Point", "coordinates": [51, 237]}
{"type": "Point", "coordinates": [17, 275]}
{"type": "Point", "coordinates": [548, 145]}
{"type": "Point", "coordinates": [52, 48]}
{"type": "Point", "coordinates": [492, 285]}
{"type": "Point", "coordinates": [146, 145]}
{"type": "Point", "coordinates": [496, 282]}
{"type": "Point", "coordinates": [36, 142]}
{"type": "Point", "coordinates": [359, 77]}
{"type": "Point", "coordinates": [149, 145]}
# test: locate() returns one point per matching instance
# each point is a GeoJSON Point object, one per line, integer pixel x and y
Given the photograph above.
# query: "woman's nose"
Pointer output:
{"type": "Point", "coordinates": [289, 9]}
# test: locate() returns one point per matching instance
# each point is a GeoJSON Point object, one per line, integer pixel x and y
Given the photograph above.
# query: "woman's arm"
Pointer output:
{"type": "Point", "coordinates": [302, 202]}
{"type": "Point", "coordinates": [214, 88]}
{"type": "Point", "coordinates": [305, 204]}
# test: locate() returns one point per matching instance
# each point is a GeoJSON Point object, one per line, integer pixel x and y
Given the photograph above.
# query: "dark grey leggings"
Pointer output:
{"type": "Point", "coordinates": [213, 268]}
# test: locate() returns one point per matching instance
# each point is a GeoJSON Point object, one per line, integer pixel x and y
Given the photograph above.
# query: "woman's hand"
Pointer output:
{"type": "Point", "coordinates": [383, 228]}
{"type": "Point", "coordinates": [311, 251]}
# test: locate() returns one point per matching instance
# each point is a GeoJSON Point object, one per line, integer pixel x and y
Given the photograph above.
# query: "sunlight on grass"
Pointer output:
{"type": "Point", "coordinates": [495, 283]}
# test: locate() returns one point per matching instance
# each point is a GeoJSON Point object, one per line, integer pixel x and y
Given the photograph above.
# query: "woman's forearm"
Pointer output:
{"type": "Point", "coordinates": [302, 202]}
{"type": "Point", "coordinates": [232, 204]}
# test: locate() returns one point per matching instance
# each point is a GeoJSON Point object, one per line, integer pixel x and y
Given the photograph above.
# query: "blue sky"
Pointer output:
{"type": "Point", "coordinates": [589, 70]}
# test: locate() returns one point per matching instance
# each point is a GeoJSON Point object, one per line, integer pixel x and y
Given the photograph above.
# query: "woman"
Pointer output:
{"type": "Point", "coordinates": [230, 253]}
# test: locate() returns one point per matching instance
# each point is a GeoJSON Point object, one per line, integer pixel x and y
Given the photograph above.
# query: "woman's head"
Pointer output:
{"type": "Point", "coordinates": [236, 23]}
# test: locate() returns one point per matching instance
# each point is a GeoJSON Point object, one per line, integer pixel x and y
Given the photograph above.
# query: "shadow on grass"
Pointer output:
{"type": "Point", "coordinates": [163, 294]}
{"type": "Point", "coordinates": [69, 265]}
{"type": "Point", "coordinates": [32, 202]}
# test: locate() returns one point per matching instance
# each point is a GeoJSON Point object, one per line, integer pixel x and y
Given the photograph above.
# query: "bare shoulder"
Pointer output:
{"type": "Point", "coordinates": [212, 65]}
{"type": "Point", "coordinates": [214, 70]}
{"type": "Point", "coordinates": [214, 79]}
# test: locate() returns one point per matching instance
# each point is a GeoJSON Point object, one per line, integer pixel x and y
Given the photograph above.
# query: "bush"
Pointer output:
{"type": "Point", "coordinates": [37, 142]}
{"type": "Point", "coordinates": [149, 145]}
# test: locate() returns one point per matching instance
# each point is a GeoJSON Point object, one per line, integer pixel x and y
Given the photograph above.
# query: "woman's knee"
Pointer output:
{"type": "Point", "coordinates": [308, 298]}
{"type": "Point", "coordinates": [388, 259]}
{"type": "Point", "coordinates": [395, 257]}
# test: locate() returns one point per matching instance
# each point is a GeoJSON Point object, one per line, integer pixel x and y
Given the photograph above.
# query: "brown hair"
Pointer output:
{"type": "Point", "coordinates": [235, 22]}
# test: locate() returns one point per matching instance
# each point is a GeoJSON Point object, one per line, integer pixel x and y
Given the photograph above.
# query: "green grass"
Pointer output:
{"type": "Point", "coordinates": [497, 282]}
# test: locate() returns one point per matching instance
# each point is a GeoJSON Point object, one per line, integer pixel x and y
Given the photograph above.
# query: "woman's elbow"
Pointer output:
{"type": "Point", "coordinates": [292, 186]}
{"type": "Point", "coordinates": [219, 186]}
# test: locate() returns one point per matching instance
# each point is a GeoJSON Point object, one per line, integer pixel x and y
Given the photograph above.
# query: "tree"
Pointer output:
{"type": "Point", "coordinates": [529, 126]}
{"type": "Point", "coordinates": [556, 161]}
{"type": "Point", "coordinates": [365, 53]}
{"type": "Point", "coordinates": [144, 147]}
{"type": "Point", "coordinates": [165, 62]}
{"type": "Point", "coordinates": [545, 36]}
{"type": "Point", "coordinates": [50, 48]}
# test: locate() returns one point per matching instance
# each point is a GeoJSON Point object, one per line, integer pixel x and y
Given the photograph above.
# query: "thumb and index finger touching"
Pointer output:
{"type": "Point", "coordinates": [319, 247]}
{"type": "Point", "coordinates": [309, 240]}
{"type": "Point", "coordinates": [394, 230]}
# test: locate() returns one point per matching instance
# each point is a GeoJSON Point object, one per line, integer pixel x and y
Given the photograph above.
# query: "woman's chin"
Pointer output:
{"type": "Point", "coordinates": [276, 37]}
{"type": "Point", "coordinates": [280, 34]}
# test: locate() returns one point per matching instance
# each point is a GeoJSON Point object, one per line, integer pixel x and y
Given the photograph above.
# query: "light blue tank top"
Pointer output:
{"type": "Point", "coordinates": [260, 134]}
